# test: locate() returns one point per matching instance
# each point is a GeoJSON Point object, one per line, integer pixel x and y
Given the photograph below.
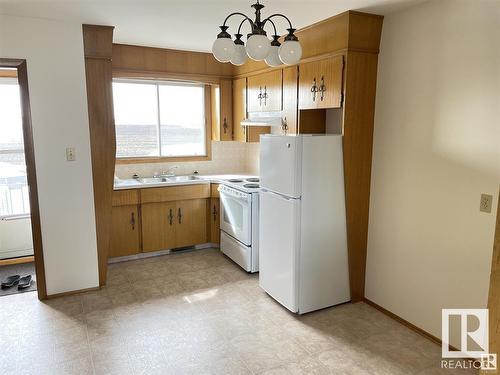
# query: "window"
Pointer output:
{"type": "Point", "coordinates": [159, 119]}
{"type": "Point", "coordinates": [14, 199]}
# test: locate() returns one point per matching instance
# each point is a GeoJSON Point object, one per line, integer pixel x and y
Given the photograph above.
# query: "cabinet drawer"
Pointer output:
{"type": "Point", "coordinates": [175, 193]}
{"type": "Point", "coordinates": [125, 197]}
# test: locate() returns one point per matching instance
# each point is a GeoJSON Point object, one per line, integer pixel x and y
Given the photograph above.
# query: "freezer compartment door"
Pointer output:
{"type": "Point", "coordinates": [280, 164]}
{"type": "Point", "coordinates": [279, 238]}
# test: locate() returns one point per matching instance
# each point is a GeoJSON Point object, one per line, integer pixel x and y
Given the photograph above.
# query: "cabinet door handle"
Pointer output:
{"type": "Point", "coordinates": [260, 95]}
{"type": "Point", "coordinates": [284, 126]}
{"type": "Point", "coordinates": [171, 217]}
{"type": "Point", "coordinates": [224, 125]}
{"type": "Point", "coordinates": [180, 215]}
{"type": "Point", "coordinates": [265, 95]}
{"type": "Point", "coordinates": [314, 89]}
{"type": "Point", "coordinates": [214, 212]}
{"type": "Point", "coordinates": [322, 88]}
{"type": "Point", "coordinates": [132, 220]}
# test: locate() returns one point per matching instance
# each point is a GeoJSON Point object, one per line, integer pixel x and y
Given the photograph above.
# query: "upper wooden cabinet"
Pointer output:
{"type": "Point", "coordinates": [264, 92]}
{"type": "Point", "coordinates": [221, 100]}
{"type": "Point", "coordinates": [320, 83]}
{"type": "Point", "coordinates": [290, 88]}
{"type": "Point", "coordinates": [239, 108]}
{"type": "Point", "coordinates": [244, 133]}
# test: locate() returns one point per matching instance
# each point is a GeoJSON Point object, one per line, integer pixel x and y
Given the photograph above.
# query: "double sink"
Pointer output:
{"type": "Point", "coordinates": [159, 180]}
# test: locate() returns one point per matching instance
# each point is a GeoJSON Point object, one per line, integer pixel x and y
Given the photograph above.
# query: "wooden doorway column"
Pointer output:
{"type": "Point", "coordinates": [98, 46]}
{"type": "Point", "coordinates": [494, 294]}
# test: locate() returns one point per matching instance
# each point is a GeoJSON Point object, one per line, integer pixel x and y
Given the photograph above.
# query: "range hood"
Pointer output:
{"type": "Point", "coordinates": [263, 119]}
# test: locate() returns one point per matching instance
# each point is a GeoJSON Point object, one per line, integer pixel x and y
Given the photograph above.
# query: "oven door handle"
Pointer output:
{"type": "Point", "coordinates": [233, 196]}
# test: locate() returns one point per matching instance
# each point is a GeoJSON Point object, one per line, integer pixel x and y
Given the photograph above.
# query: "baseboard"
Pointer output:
{"type": "Point", "coordinates": [162, 252]}
{"type": "Point", "coordinates": [404, 322]}
{"type": "Point", "coordinates": [72, 292]}
{"type": "Point", "coordinates": [22, 259]}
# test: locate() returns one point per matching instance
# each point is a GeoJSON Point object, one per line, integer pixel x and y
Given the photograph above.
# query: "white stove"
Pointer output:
{"type": "Point", "coordinates": [245, 184]}
{"type": "Point", "coordinates": [239, 207]}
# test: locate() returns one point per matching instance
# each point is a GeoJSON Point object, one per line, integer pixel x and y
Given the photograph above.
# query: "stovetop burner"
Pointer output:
{"type": "Point", "coordinates": [253, 179]}
{"type": "Point", "coordinates": [251, 186]}
{"type": "Point", "coordinates": [235, 180]}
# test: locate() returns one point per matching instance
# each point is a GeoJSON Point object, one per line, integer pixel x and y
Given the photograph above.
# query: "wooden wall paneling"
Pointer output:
{"type": "Point", "coordinates": [128, 59]}
{"type": "Point", "coordinates": [254, 132]}
{"type": "Point", "coordinates": [312, 121]}
{"type": "Point", "coordinates": [290, 93]}
{"type": "Point", "coordinates": [98, 44]}
{"type": "Point", "coordinates": [359, 109]}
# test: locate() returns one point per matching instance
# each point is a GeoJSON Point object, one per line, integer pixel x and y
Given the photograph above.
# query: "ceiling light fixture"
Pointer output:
{"type": "Point", "coordinates": [258, 47]}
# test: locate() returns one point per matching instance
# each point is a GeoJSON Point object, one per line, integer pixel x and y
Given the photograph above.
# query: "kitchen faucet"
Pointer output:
{"type": "Point", "coordinates": [170, 171]}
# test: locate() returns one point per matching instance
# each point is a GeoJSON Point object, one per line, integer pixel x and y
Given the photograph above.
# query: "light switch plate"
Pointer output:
{"type": "Point", "coordinates": [486, 203]}
{"type": "Point", "coordinates": [70, 154]}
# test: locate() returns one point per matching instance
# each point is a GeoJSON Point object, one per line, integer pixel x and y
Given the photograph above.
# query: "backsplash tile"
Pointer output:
{"type": "Point", "coordinates": [227, 157]}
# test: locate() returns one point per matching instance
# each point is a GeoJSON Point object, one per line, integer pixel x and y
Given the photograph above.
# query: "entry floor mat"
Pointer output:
{"type": "Point", "coordinates": [22, 269]}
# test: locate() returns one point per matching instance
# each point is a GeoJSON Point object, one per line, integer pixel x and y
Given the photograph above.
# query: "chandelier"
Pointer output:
{"type": "Point", "coordinates": [258, 47]}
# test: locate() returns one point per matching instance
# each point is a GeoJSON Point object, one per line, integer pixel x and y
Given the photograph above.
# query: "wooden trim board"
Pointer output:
{"type": "Point", "coordinates": [404, 322]}
{"type": "Point", "coordinates": [20, 260]}
{"type": "Point", "coordinates": [29, 154]}
{"type": "Point", "coordinates": [72, 292]}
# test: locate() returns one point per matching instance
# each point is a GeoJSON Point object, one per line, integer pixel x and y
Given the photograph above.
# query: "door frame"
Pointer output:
{"type": "Point", "coordinates": [29, 154]}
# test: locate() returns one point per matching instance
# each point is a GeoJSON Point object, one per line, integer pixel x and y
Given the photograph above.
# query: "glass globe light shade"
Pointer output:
{"type": "Point", "coordinates": [223, 49]}
{"type": "Point", "coordinates": [240, 55]}
{"type": "Point", "coordinates": [258, 47]}
{"type": "Point", "coordinates": [290, 52]}
{"type": "Point", "coordinates": [273, 58]}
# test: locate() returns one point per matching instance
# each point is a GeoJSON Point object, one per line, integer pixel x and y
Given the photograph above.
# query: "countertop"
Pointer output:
{"type": "Point", "coordinates": [202, 179]}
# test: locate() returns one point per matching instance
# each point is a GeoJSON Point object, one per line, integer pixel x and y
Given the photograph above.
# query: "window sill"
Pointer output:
{"type": "Point", "coordinates": [164, 159]}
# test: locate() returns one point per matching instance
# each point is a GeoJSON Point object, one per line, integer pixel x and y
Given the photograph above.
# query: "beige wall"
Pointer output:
{"type": "Point", "coordinates": [56, 74]}
{"type": "Point", "coordinates": [436, 149]}
{"type": "Point", "coordinates": [227, 158]}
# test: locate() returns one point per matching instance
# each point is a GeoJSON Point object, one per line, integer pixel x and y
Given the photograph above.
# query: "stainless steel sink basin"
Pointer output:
{"type": "Point", "coordinates": [182, 178]}
{"type": "Point", "coordinates": [153, 180]}
{"type": "Point", "coordinates": [167, 179]}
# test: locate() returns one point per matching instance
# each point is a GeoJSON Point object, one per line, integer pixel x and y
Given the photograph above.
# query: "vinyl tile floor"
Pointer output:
{"type": "Point", "coordinates": [199, 313]}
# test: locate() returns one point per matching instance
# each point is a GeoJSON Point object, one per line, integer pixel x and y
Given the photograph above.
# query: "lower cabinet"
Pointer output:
{"type": "Point", "coordinates": [214, 220]}
{"type": "Point", "coordinates": [168, 225]}
{"type": "Point", "coordinates": [191, 225]}
{"type": "Point", "coordinates": [158, 226]}
{"type": "Point", "coordinates": [125, 231]}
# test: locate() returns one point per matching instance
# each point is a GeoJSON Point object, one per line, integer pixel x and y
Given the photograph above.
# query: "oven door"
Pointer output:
{"type": "Point", "coordinates": [236, 214]}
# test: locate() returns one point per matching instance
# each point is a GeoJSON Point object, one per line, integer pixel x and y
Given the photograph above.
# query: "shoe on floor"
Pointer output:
{"type": "Point", "coordinates": [11, 281]}
{"type": "Point", "coordinates": [24, 282]}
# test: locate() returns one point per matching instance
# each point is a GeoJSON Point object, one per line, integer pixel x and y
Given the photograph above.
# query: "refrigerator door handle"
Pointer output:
{"type": "Point", "coordinates": [278, 195]}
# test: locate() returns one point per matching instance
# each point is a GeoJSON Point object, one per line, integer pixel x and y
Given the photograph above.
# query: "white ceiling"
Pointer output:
{"type": "Point", "coordinates": [185, 24]}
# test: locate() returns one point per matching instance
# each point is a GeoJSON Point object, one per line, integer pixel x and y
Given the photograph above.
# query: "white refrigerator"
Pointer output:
{"type": "Point", "coordinates": [303, 240]}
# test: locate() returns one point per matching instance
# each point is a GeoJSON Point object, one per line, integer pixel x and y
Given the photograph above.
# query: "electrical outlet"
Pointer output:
{"type": "Point", "coordinates": [486, 203]}
{"type": "Point", "coordinates": [70, 154]}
